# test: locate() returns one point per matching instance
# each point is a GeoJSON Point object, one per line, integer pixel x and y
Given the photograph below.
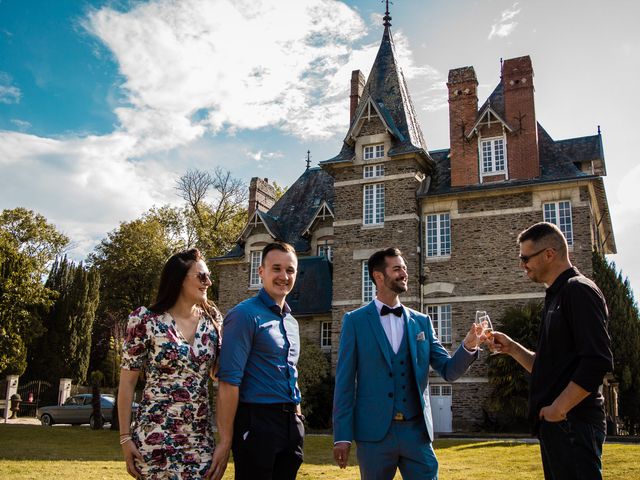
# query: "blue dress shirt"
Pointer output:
{"type": "Point", "coordinates": [260, 350]}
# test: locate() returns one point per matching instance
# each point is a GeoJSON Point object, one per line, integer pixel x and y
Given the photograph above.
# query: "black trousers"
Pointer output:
{"type": "Point", "coordinates": [267, 441]}
{"type": "Point", "coordinates": [571, 450]}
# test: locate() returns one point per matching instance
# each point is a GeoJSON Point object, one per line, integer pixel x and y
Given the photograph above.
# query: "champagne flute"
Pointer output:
{"type": "Point", "coordinates": [482, 319]}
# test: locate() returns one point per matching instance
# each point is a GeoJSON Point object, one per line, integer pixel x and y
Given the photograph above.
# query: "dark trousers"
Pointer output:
{"type": "Point", "coordinates": [267, 441]}
{"type": "Point", "coordinates": [571, 450]}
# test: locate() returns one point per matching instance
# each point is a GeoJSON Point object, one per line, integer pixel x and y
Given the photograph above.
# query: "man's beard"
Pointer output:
{"type": "Point", "coordinates": [394, 285]}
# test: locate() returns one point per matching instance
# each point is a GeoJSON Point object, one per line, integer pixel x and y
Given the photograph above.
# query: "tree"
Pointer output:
{"type": "Point", "coordinates": [624, 329]}
{"type": "Point", "coordinates": [129, 261]}
{"type": "Point", "coordinates": [63, 352]}
{"type": "Point", "coordinates": [28, 244]}
{"type": "Point", "coordinates": [280, 191]}
{"type": "Point", "coordinates": [313, 375]}
{"type": "Point", "coordinates": [97, 378]}
{"type": "Point", "coordinates": [216, 224]}
{"type": "Point", "coordinates": [508, 401]}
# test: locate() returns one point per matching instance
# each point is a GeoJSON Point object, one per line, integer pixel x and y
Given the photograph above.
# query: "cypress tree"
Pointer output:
{"type": "Point", "coordinates": [63, 352]}
{"type": "Point", "coordinates": [624, 329]}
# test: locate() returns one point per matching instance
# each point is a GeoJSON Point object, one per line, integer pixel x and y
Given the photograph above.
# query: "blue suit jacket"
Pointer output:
{"type": "Point", "coordinates": [362, 408]}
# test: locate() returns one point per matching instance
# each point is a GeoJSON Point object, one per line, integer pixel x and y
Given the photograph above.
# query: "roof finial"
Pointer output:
{"type": "Point", "coordinates": [387, 17]}
{"type": "Point", "coordinates": [308, 159]}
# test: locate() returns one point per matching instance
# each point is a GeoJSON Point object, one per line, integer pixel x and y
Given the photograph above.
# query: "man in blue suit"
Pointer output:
{"type": "Point", "coordinates": [381, 396]}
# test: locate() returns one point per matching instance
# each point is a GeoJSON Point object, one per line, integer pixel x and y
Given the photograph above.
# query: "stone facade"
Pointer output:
{"type": "Point", "coordinates": [486, 212]}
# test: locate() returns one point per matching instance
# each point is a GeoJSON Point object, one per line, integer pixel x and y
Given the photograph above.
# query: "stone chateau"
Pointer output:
{"type": "Point", "coordinates": [454, 213]}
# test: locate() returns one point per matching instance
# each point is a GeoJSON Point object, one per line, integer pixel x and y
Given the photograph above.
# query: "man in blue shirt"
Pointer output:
{"type": "Point", "coordinates": [258, 408]}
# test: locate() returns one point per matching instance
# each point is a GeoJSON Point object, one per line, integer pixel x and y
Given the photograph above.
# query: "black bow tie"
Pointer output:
{"type": "Point", "coordinates": [387, 310]}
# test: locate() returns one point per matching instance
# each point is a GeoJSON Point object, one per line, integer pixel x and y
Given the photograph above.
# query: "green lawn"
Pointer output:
{"type": "Point", "coordinates": [34, 452]}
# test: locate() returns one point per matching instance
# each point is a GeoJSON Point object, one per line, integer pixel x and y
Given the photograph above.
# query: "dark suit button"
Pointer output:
{"type": "Point", "coordinates": [390, 395]}
{"type": "Point", "coordinates": [402, 374]}
{"type": "Point", "coordinates": [404, 400]}
{"type": "Point", "coordinates": [390, 374]}
{"type": "Point", "coordinates": [403, 387]}
{"type": "Point", "coordinates": [402, 362]}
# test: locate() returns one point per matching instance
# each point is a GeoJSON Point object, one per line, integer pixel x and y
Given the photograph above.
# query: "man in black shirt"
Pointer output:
{"type": "Point", "coordinates": [571, 359]}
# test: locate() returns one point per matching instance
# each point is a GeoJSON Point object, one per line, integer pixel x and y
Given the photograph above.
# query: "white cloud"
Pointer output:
{"type": "Point", "coordinates": [189, 68]}
{"type": "Point", "coordinates": [8, 93]}
{"type": "Point", "coordinates": [505, 26]}
{"type": "Point", "coordinates": [261, 155]}
{"type": "Point", "coordinates": [21, 125]}
{"type": "Point", "coordinates": [248, 65]}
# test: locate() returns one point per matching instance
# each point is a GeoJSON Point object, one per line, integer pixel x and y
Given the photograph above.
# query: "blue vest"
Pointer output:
{"type": "Point", "coordinates": [405, 395]}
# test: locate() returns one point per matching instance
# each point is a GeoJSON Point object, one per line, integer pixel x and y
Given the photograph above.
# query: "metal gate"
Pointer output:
{"type": "Point", "coordinates": [34, 394]}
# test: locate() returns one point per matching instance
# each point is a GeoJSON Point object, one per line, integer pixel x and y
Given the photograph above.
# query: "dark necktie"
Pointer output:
{"type": "Point", "coordinates": [387, 310]}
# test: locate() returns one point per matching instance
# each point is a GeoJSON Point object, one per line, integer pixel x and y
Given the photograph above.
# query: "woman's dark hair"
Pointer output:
{"type": "Point", "coordinates": [171, 280]}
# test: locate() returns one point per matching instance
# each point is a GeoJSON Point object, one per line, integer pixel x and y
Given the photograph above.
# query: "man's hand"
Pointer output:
{"type": "Point", "coordinates": [473, 338]}
{"type": "Point", "coordinates": [552, 413]}
{"type": "Point", "coordinates": [218, 462]}
{"type": "Point", "coordinates": [501, 343]}
{"type": "Point", "coordinates": [341, 453]}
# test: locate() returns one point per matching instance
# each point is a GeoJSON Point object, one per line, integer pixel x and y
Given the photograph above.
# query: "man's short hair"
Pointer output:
{"type": "Point", "coordinates": [280, 246]}
{"type": "Point", "coordinates": [377, 262]}
{"type": "Point", "coordinates": [545, 234]}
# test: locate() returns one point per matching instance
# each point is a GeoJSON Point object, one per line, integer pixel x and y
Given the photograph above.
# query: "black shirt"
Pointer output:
{"type": "Point", "coordinates": [573, 345]}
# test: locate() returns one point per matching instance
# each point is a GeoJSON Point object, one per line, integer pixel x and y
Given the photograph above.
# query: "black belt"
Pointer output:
{"type": "Point", "coordinates": [281, 407]}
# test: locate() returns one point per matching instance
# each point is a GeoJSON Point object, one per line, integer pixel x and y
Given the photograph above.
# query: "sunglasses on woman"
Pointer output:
{"type": "Point", "coordinates": [203, 277]}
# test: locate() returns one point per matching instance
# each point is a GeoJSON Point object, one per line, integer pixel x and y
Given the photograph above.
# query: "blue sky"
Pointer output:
{"type": "Point", "coordinates": [103, 104]}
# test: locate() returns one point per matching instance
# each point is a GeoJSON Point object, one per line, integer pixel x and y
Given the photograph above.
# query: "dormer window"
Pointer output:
{"type": "Point", "coordinates": [494, 156]}
{"type": "Point", "coordinates": [371, 152]}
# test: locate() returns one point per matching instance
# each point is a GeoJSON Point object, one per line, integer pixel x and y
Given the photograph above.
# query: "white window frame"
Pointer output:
{"type": "Point", "coordinates": [442, 224]}
{"type": "Point", "coordinates": [325, 335]}
{"type": "Point", "coordinates": [442, 321]}
{"type": "Point", "coordinates": [255, 259]}
{"type": "Point", "coordinates": [439, 389]}
{"type": "Point", "coordinates": [492, 168]}
{"type": "Point", "coordinates": [560, 213]}
{"type": "Point", "coordinates": [373, 171]}
{"type": "Point", "coordinates": [370, 152]}
{"type": "Point", "coordinates": [326, 250]}
{"type": "Point", "coordinates": [373, 204]}
{"type": "Point", "coordinates": [368, 287]}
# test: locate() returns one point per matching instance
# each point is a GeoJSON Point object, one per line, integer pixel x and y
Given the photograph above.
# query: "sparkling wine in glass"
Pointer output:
{"type": "Point", "coordinates": [482, 318]}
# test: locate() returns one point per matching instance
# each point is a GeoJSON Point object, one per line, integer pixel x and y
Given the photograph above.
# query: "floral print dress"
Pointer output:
{"type": "Point", "coordinates": [173, 427]}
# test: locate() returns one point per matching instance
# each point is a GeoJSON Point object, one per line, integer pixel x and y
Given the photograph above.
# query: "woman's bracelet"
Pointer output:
{"type": "Point", "coordinates": [124, 440]}
{"type": "Point", "coordinates": [125, 434]}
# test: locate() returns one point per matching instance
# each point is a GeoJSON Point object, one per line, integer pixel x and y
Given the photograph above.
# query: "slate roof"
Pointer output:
{"type": "Point", "coordinates": [312, 292]}
{"type": "Point", "coordinates": [559, 160]}
{"type": "Point", "coordinates": [291, 214]}
{"type": "Point", "coordinates": [387, 88]}
{"type": "Point", "coordinates": [495, 100]}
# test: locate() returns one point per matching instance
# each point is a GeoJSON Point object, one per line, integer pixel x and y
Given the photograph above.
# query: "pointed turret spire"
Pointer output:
{"type": "Point", "coordinates": [387, 90]}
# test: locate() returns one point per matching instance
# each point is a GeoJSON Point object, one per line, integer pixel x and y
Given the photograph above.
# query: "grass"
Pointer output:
{"type": "Point", "coordinates": [34, 452]}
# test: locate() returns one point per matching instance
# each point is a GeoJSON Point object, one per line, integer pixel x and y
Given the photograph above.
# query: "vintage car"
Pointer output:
{"type": "Point", "coordinates": [77, 410]}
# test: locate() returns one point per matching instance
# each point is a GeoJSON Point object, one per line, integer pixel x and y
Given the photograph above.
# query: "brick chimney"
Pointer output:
{"type": "Point", "coordinates": [463, 110]}
{"type": "Point", "coordinates": [522, 146]}
{"type": "Point", "coordinates": [357, 87]}
{"type": "Point", "coordinates": [262, 195]}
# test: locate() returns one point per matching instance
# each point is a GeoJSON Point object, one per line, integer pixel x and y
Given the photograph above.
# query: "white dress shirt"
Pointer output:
{"type": "Point", "coordinates": [393, 326]}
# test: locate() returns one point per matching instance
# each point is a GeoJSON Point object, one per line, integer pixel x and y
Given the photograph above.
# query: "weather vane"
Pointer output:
{"type": "Point", "coordinates": [387, 17]}
{"type": "Point", "coordinates": [308, 159]}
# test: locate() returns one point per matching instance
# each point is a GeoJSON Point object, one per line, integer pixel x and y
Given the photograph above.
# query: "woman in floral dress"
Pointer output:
{"type": "Point", "coordinates": [175, 342]}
